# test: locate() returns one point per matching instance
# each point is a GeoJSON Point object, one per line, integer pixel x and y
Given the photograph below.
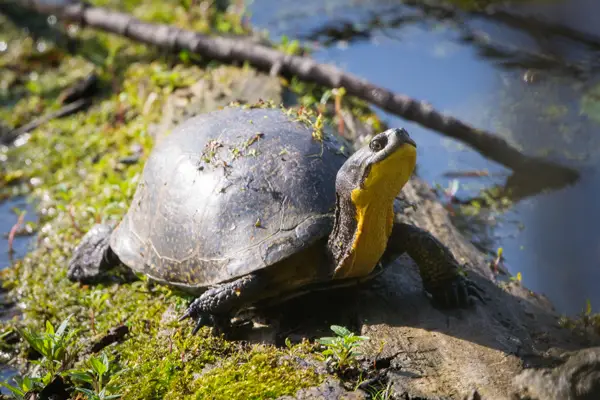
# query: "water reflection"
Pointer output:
{"type": "Point", "coordinates": [524, 80]}
{"type": "Point", "coordinates": [8, 218]}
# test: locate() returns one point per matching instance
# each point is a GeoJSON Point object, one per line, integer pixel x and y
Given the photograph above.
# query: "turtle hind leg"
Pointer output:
{"type": "Point", "coordinates": [215, 306]}
{"type": "Point", "coordinates": [92, 256]}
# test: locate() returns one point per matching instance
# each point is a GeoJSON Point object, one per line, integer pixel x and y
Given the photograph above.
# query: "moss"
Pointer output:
{"type": "Point", "coordinates": [72, 169]}
{"type": "Point", "coordinates": [262, 372]}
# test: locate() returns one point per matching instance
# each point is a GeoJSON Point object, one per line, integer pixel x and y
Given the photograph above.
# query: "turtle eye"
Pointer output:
{"type": "Point", "coordinates": [378, 143]}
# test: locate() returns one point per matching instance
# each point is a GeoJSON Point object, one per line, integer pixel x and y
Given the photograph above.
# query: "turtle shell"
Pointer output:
{"type": "Point", "coordinates": [228, 193]}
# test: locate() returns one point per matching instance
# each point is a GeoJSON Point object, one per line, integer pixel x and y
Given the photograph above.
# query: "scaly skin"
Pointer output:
{"type": "Point", "coordinates": [438, 268]}
{"type": "Point", "coordinates": [93, 255]}
{"type": "Point", "coordinates": [214, 306]}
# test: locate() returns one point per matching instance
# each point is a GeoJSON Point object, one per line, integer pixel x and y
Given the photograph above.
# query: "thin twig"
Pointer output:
{"type": "Point", "coordinates": [64, 111]}
{"type": "Point", "coordinates": [13, 232]}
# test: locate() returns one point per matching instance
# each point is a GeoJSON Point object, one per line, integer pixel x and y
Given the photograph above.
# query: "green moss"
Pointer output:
{"type": "Point", "coordinates": [262, 372]}
{"type": "Point", "coordinates": [71, 168]}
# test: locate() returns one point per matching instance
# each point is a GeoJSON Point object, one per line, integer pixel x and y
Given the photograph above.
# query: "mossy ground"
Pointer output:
{"type": "Point", "coordinates": [71, 169]}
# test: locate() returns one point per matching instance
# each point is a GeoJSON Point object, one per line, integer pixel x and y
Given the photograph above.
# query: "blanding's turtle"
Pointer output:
{"type": "Point", "coordinates": [246, 204]}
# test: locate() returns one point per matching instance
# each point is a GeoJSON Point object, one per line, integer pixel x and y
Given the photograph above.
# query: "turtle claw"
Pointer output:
{"type": "Point", "coordinates": [196, 313]}
{"type": "Point", "coordinates": [188, 314]}
{"type": "Point", "coordinates": [474, 291]}
{"type": "Point", "coordinates": [200, 322]}
{"type": "Point", "coordinates": [459, 293]}
{"type": "Point", "coordinates": [219, 323]}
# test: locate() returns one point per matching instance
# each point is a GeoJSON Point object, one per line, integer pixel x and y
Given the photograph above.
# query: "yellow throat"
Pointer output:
{"type": "Point", "coordinates": [374, 203]}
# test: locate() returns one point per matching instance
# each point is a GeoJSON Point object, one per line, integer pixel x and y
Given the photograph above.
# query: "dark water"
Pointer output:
{"type": "Point", "coordinates": [553, 239]}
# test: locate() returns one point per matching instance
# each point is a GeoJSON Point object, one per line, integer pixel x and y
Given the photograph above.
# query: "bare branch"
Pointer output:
{"type": "Point", "coordinates": [268, 59]}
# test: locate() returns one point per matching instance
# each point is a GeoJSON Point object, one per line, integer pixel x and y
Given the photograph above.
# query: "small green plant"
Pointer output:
{"type": "Point", "coordinates": [23, 386]}
{"type": "Point", "coordinates": [99, 374]}
{"type": "Point", "coordinates": [378, 392]}
{"type": "Point", "coordinates": [518, 278]}
{"type": "Point", "coordinates": [341, 351]}
{"type": "Point", "coordinates": [96, 302]}
{"type": "Point", "coordinates": [54, 347]}
{"type": "Point", "coordinates": [585, 321]}
{"type": "Point", "coordinates": [587, 318]}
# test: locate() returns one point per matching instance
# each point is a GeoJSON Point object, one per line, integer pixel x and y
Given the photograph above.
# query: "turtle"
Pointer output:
{"type": "Point", "coordinates": [245, 204]}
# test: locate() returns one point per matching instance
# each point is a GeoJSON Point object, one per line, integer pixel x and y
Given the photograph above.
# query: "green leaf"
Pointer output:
{"type": "Point", "coordinates": [327, 340]}
{"type": "Point", "coordinates": [105, 362]}
{"type": "Point", "coordinates": [47, 378]}
{"type": "Point", "coordinates": [63, 326]}
{"type": "Point", "coordinates": [81, 375]}
{"type": "Point", "coordinates": [340, 330]}
{"type": "Point", "coordinates": [13, 389]}
{"type": "Point", "coordinates": [98, 366]}
{"type": "Point", "coordinates": [49, 328]}
{"type": "Point", "coordinates": [28, 383]}
{"type": "Point", "coordinates": [90, 394]}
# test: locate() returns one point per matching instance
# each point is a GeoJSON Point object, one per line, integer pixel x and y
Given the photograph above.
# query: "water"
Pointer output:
{"type": "Point", "coordinates": [8, 218]}
{"type": "Point", "coordinates": [21, 244]}
{"type": "Point", "coordinates": [552, 238]}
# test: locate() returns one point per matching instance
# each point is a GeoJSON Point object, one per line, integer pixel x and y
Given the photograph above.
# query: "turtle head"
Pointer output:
{"type": "Point", "coordinates": [366, 186]}
{"type": "Point", "coordinates": [382, 167]}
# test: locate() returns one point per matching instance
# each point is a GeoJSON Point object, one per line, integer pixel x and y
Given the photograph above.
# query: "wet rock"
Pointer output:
{"type": "Point", "coordinates": [577, 379]}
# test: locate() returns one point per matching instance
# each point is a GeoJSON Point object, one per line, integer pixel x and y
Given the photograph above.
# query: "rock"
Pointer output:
{"type": "Point", "coordinates": [434, 353]}
{"type": "Point", "coordinates": [331, 389]}
{"type": "Point", "coordinates": [57, 389]}
{"type": "Point", "coordinates": [577, 379]}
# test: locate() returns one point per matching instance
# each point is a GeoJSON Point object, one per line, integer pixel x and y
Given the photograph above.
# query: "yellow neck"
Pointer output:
{"type": "Point", "coordinates": [375, 222]}
{"type": "Point", "coordinates": [374, 203]}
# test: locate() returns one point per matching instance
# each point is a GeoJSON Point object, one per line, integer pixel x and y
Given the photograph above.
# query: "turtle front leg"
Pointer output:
{"type": "Point", "coordinates": [216, 305]}
{"type": "Point", "coordinates": [438, 268]}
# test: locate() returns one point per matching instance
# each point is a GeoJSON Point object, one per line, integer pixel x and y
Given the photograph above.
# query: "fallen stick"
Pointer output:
{"type": "Point", "coordinates": [68, 109]}
{"type": "Point", "coordinates": [268, 59]}
{"type": "Point", "coordinates": [13, 232]}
